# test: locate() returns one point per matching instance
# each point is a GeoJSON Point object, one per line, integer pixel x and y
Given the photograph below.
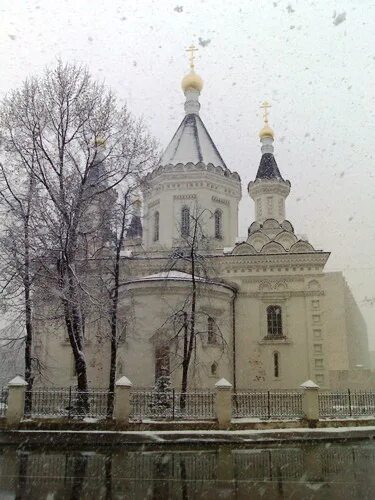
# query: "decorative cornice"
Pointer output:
{"type": "Point", "coordinates": [184, 196]}
{"type": "Point", "coordinates": [189, 167]}
{"type": "Point", "coordinates": [220, 200]}
{"type": "Point", "coordinates": [271, 186]}
{"type": "Point", "coordinates": [154, 203]}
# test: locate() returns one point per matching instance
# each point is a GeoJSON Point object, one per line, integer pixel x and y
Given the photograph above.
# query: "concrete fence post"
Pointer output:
{"type": "Point", "coordinates": [16, 400]}
{"type": "Point", "coordinates": [310, 401]}
{"type": "Point", "coordinates": [223, 403]}
{"type": "Point", "coordinates": [121, 410]}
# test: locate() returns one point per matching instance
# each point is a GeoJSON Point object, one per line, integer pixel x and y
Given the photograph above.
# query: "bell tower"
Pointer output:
{"type": "Point", "coordinates": [269, 190]}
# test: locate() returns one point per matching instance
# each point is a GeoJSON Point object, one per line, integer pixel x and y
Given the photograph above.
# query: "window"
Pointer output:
{"type": "Point", "coordinates": [214, 369]}
{"type": "Point", "coordinates": [156, 226]}
{"type": "Point", "coordinates": [318, 363]}
{"type": "Point", "coordinates": [274, 321]}
{"type": "Point", "coordinates": [317, 334]}
{"type": "Point", "coordinates": [185, 221]}
{"type": "Point", "coordinates": [161, 361]}
{"type": "Point", "coordinates": [74, 366]}
{"type": "Point", "coordinates": [211, 336]}
{"type": "Point", "coordinates": [119, 368]}
{"type": "Point", "coordinates": [276, 364]}
{"type": "Point", "coordinates": [318, 348]}
{"type": "Point", "coordinates": [218, 224]}
{"type": "Point", "coordinates": [281, 207]}
{"type": "Point", "coordinates": [269, 205]}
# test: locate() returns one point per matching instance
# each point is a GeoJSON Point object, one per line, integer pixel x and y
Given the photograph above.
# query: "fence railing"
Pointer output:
{"type": "Point", "coordinates": [3, 401]}
{"type": "Point", "coordinates": [69, 403]}
{"type": "Point", "coordinates": [267, 404]}
{"type": "Point", "coordinates": [172, 404]}
{"type": "Point", "coordinates": [347, 403]}
{"type": "Point", "coordinates": [219, 404]}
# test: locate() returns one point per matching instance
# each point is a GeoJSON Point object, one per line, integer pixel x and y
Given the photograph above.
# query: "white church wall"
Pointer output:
{"type": "Point", "coordinates": [152, 305]}
{"type": "Point", "coordinates": [199, 190]}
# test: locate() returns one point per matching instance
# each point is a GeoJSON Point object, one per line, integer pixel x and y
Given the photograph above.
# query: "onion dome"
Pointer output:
{"type": "Point", "coordinates": [266, 131]}
{"type": "Point", "coordinates": [192, 81]}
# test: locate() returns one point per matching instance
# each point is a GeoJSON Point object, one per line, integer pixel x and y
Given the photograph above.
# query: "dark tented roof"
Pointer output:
{"type": "Point", "coordinates": [135, 228]}
{"type": "Point", "coordinates": [192, 143]}
{"type": "Point", "coordinates": [268, 168]}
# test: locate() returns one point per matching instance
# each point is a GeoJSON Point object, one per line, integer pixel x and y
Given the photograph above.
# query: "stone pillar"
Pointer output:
{"type": "Point", "coordinates": [121, 410]}
{"type": "Point", "coordinates": [223, 403]}
{"type": "Point", "coordinates": [16, 400]}
{"type": "Point", "coordinates": [310, 401]}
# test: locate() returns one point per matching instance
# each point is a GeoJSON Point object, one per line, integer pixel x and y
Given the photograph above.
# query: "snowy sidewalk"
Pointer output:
{"type": "Point", "coordinates": [118, 438]}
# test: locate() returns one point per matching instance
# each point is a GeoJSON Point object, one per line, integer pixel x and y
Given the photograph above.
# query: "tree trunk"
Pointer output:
{"type": "Point", "coordinates": [73, 323]}
{"type": "Point", "coordinates": [114, 311]}
{"type": "Point", "coordinates": [29, 378]}
{"type": "Point", "coordinates": [191, 335]}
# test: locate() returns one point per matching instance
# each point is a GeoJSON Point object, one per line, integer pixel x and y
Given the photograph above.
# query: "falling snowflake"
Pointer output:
{"type": "Point", "coordinates": [203, 43]}
{"type": "Point", "coordinates": [290, 9]}
{"type": "Point", "coordinates": [179, 8]}
{"type": "Point", "coordinates": [339, 18]}
{"type": "Point", "coordinates": [12, 37]}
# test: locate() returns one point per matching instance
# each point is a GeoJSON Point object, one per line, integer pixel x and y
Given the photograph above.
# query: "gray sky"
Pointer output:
{"type": "Point", "coordinates": [313, 60]}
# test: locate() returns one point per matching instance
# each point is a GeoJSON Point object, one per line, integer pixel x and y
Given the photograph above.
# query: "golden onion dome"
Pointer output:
{"type": "Point", "coordinates": [266, 131]}
{"type": "Point", "coordinates": [192, 81]}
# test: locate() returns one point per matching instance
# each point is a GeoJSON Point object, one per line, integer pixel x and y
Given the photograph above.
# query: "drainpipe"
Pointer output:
{"type": "Point", "coordinates": [234, 340]}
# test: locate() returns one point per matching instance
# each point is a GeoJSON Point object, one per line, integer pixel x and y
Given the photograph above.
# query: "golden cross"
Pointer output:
{"type": "Point", "coordinates": [265, 106]}
{"type": "Point", "coordinates": [191, 49]}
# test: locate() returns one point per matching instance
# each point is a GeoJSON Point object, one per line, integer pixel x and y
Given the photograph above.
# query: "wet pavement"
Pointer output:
{"type": "Point", "coordinates": [317, 471]}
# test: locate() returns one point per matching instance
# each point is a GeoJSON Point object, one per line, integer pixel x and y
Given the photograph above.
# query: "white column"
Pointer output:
{"type": "Point", "coordinates": [223, 403]}
{"type": "Point", "coordinates": [121, 409]}
{"type": "Point", "coordinates": [310, 400]}
{"type": "Point", "coordinates": [16, 400]}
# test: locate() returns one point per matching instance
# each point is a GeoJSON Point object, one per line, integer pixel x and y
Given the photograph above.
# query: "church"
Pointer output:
{"type": "Point", "coordinates": [266, 313]}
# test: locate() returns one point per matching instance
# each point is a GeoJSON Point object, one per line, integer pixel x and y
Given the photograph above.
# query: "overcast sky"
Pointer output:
{"type": "Point", "coordinates": [313, 60]}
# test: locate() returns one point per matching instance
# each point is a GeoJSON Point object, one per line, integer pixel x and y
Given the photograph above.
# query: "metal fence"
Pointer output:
{"type": "Point", "coordinates": [69, 403]}
{"type": "Point", "coordinates": [267, 404]}
{"type": "Point", "coordinates": [172, 404]}
{"type": "Point", "coordinates": [346, 404]}
{"type": "Point", "coordinates": [3, 401]}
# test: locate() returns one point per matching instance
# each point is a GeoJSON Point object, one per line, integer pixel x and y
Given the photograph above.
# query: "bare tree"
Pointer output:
{"type": "Point", "coordinates": [17, 203]}
{"type": "Point", "coordinates": [79, 147]}
{"type": "Point", "coordinates": [190, 256]}
{"type": "Point", "coordinates": [124, 214]}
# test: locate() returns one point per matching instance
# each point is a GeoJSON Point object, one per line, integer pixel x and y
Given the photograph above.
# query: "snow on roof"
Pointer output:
{"type": "Point", "coordinates": [169, 275]}
{"type": "Point", "coordinates": [223, 384]}
{"type": "Point", "coordinates": [123, 382]}
{"type": "Point", "coordinates": [309, 384]}
{"type": "Point", "coordinates": [17, 381]}
{"type": "Point", "coordinates": [192, 143]}
{"type": "Point", "coordinates": [178, 276]}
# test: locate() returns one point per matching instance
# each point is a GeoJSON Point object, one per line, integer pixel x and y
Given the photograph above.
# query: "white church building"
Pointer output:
{"type": "Point", "coordinates": [267, 313]}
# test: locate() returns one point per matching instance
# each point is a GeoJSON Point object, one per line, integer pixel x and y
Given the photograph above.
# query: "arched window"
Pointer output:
{"type": "Point", "coordinates": [185, 221]}
{"type": "Point", "coordinates": [156, 226]}
{"type": "Point", "coordinates": [276, 364]}
{"type": "Point", "coordinates": [274, 321]}
{"type": "Point", "coordinates": [161, 360]}
{"type": "Point", "coordinates": [211, 335]}
{"type": "Point", "coordinates": [218, 216]}
{"type": "Point", "coordinates": [119, 368]}
{"type": "Point", "coordinates": [214, 369]}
